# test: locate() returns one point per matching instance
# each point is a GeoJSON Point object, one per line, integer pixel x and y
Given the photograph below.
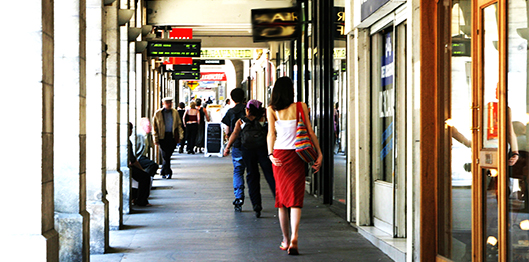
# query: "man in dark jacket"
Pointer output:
{"type": "Point", "coordinates": [230, 119]}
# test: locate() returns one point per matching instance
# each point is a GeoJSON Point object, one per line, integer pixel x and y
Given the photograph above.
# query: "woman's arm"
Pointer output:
{"type": "Point", "coordinates": [271, 137]}
{"type": "Point", "coordinates": [184, 118]}
{"type": "Point", "coordinates": [206, 113]}
{"type": "Point", "coordinates": [234, 135]}
{"type": "Point", "coordinates": [317, 163]}
{"type": "Point", "coordinates": [198, 116]}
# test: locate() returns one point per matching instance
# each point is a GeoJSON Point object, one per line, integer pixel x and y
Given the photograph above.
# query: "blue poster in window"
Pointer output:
{"type": "Point", "coordinates": [387, 71]}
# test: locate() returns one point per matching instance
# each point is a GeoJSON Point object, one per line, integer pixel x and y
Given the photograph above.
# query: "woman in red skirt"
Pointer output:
{"type": "Point", "coordinates": [289, 168]}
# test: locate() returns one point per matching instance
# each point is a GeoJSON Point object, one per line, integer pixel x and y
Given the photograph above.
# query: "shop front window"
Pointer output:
{"type": "Point", "coordinates": [517, 121]}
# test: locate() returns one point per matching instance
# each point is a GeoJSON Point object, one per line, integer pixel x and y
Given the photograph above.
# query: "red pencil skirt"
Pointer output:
{"type": "Point", "coordinates": [290, 179]}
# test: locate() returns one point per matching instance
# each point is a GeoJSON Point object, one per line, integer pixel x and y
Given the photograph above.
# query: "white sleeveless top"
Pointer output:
{"type": "Point", "coordinates": [285, 134]}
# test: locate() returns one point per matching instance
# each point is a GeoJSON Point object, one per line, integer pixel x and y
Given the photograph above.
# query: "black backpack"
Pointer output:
{"type": "Point", "coordinates": [253, 135]}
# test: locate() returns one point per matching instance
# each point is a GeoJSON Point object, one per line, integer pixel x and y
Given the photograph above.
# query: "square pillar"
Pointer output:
{"type": "Point", "coordinates": [124, 111]}
{"type": "Point", "coordinates": [71, 218]}
{"type": "Point", "coordinates": [114, 181]}
{"type": "Point", "coordinates": [29, 154]}
{"type": "Point", "coordinates": [97, 204]}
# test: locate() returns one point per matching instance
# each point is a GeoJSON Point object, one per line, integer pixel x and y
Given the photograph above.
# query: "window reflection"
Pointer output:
{"type": "Point", "coordinates": [518, 102]}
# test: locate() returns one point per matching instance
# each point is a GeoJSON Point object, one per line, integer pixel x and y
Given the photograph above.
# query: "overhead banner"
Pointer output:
{"type": "Point", "coordinates": [213, 76]}
{"type": "Point", "coordinates": [277, 24]}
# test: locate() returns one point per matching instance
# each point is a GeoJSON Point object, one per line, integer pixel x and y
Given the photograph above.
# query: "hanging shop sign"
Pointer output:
{"type": "Point", "coordinates": [340, 53]}
{"type": "Point", "coordinates": [181, 33]}
{"type": "Point", "coordinates": [213, 62]}
{"type": "Point", "coordinates": [369, 7]}
{"type": "Point", "coordinates": [186, 75]}
{"type": "Point", "coordinates": [177, 60]}
{"type": "Point", "coordinates": [179, 48]}
{"type": "Point", "coordinates": [339, 23]}
{"type": "Point", "coordinates": [213, 76]}
{"type": "Point", "coordinates": [275, 24]}
{"type": "Point", "coordinates": [233, 53]}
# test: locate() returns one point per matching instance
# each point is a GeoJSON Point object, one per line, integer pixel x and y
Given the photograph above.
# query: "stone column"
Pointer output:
{"type": "Point", "coordinates": [114, 175]}
{"type": "Point", "coordinates": [124, 112]}
{"type": "Point", "coordinates": [71, 217]}
{"type": "Point", "coordinates": [97, 204]}
{"type": "Point", "coordinates": [27, 97]}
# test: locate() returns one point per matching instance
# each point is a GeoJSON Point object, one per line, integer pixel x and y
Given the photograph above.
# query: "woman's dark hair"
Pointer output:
{"type": "Point", "coordinates": [283, 94]}
{"type": "Point", "coordinates": [198, 101]}
{"type": "Point", "coordinates": [182, 105]}
{"type": "Point", "coordinates": [257, 112]}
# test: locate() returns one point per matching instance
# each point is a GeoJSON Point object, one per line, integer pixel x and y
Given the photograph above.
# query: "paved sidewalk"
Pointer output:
{"type": "Point", "coordinates": [192, 219]}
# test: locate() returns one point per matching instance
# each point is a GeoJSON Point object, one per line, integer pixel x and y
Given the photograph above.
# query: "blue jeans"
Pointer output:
{"type": "Point", "coordinates": [238, 173]}
{"type": "Point", "coordinates": [253, 158]}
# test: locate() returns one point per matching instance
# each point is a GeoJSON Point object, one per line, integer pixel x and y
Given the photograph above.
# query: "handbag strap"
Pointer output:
{"type": "Point", "coordinates": [300, 111]}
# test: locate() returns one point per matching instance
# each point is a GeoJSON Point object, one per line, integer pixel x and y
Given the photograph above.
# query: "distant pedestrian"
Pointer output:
{"type": "Point", "coordinates": [201, 126]}
{"type": "Point", "coordinates": [167, 132]}
{"type": "Point", "coordinates": [191, 119]}
{"type": "Point", "coordinates": [138, 174]}
{"type": "Point", "coordinates": [181, 110]}
{"type": "Point", "coordinates": [289, 168]}
{"type": "Point", "coordinates": [230, 119]}
{"type": "Point", "coordinates": [252, 130]}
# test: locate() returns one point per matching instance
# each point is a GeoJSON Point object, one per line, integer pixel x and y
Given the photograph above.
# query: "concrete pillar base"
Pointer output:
{"type": "Point", "coordinates": [115, 199]}
{"type": "Point", "coordinates": [43, 247]}
{"type": "Point", "coordinates": [73, 231]}
{"type": "Point", "coordinates": [99, 226]}
{"type": "Point", "coordinates": [126, 189]}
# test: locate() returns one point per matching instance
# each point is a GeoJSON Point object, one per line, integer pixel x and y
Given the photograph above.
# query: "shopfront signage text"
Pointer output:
{"type": "Point", "coordinates": [275, 24]}
{"type": "Point", "coordinates": [213, 76]}
{"type": "Point", "coordinates": [226, 53]}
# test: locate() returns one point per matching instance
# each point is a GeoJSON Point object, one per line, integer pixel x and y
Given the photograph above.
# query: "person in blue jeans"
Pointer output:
{"type": "Point", "coordinates": [252, 131]}
{"type": "Point", "coordinates": [230, 119]}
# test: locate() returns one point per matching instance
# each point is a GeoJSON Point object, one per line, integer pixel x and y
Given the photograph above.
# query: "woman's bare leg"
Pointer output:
{"type": "Point", "coordinates": [285, 224]}
{"type": "Point", "coordinates": [295, 217]}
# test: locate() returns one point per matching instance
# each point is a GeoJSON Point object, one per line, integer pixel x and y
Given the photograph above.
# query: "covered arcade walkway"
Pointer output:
{"type": "Point", "coordinates": [192, 219]}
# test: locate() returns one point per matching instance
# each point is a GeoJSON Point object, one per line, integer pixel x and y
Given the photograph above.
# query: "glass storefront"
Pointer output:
{"type": "Point", "coordinates": [518, 109]}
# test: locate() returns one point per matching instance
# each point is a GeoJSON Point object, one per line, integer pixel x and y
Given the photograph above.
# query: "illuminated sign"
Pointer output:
{"type": "Point", "coordinates": [213, 76]}
{"type": "Point", "coordinates": [275, 24]}
{"type": "Point", "coordinates": [186, 75]}
{"type": "Point", "coordinates": [461, 47]}
{"type": "Point", "coordinates": [181, 33]}
{"type": "Point", "coordinates": [226, 53]}
{"type": "Point", "coordinates": [339, 23]}
{"type": "Point", "coordinates": [180, 48]}
{"type": "Point", "coordinates": [340, 53]}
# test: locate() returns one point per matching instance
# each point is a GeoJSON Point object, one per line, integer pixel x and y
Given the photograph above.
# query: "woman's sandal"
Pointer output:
{"type": "Point", "coordinates": [283, 246]}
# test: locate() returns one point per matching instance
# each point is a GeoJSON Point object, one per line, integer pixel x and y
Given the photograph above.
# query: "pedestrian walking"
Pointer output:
{"type": "Point", "coordinates": [201, 125]}
{"type": "Point", "coordinates": [167, 132]}
{"type": "Point", "coordinates": [191, 119]}
{"type": "Point", "coordinates": [181, 110]}
{"type": "Point", "coordinates": [230, 119]}
{"type": "Point", "coordinates": [289, 168]}
{"type": "Point", "coordinates": [253, 129]}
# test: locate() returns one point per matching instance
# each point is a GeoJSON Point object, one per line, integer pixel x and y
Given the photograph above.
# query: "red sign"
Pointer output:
{"type": "Point", "coordinates": [213, 76]}
{"type": "Point", "coordinates": [181, 33]}
{"type": "Point", "coordinates": [178, 61]}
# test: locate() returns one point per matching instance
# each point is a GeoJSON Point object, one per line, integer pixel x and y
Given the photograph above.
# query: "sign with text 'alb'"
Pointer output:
{"type": "Point", "coordinates": [275, 24]}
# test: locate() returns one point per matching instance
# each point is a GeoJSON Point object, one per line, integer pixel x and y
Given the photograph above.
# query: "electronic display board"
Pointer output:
{"type": "Point", "coordinates": [186, 75]}
{"type": "Point", "coordinates": [178, 48]}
